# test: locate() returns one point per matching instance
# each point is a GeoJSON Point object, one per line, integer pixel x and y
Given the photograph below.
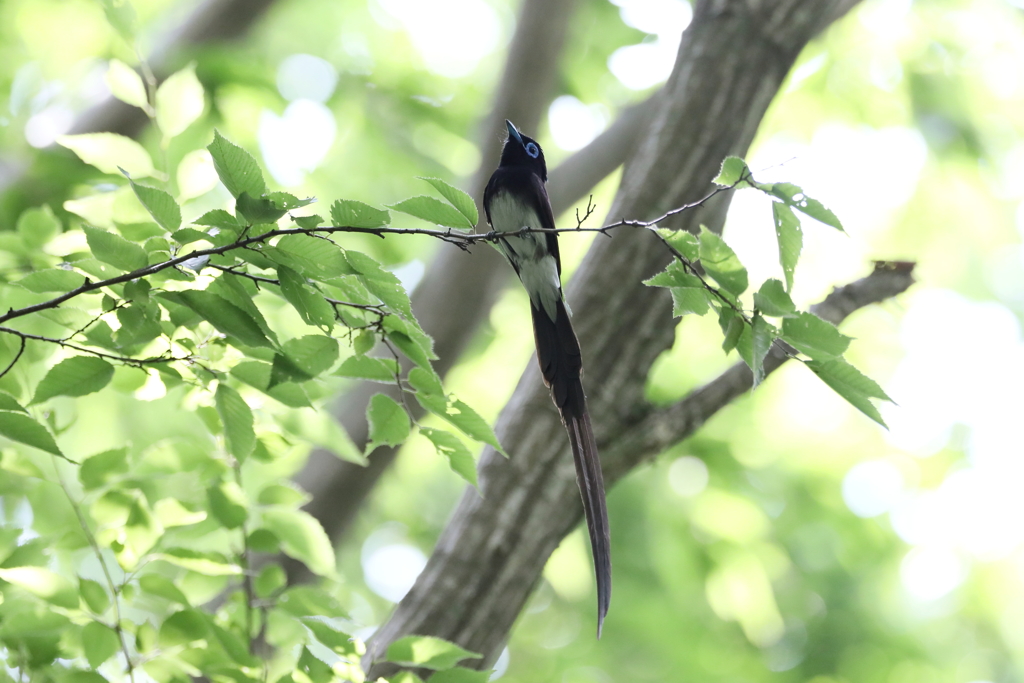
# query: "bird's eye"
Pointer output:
{"type": "Point", "coordinates": [532, 149]}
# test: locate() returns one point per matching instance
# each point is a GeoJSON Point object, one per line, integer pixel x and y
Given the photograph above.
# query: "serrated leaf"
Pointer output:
{"type": "Point", "coordinates": [75, 376]}
{"type": "Point", "coordinates": [302, 538]}
{"type": "Point", "coordinates": [427, 652]}
{"type": "Point", "coordinates": [721, 263]}
{"type": "Point", "coordinates": [308, 303]}
{"type": "Point", "coordinates": [365, 367]}
{"type": "Point", "coordinates": [687, 300]}
{"type": "Point", "coordinates": [733, 170]}
{"type": "Point", "coordinates": [320, 428]}
{"type": "Point", "coordinates": [287, 201]}
{"type": "Point", "coordinates": [218, 218]}
{"type": "Point", "coordinates": [115, 250]}
{"type": "Point", "coordinates": [790, 238]}
{"type": "Point", "coordinates": [410, 339]}
{"type": "Point", "coordinates": [462, 202]}
{"type": "Point", "coordinates": [236, 168]}
{"type": "Point", "coordinates": [431, 396]}
{"type": "Point", "coordinates": [160, 205]}
{"type": "Point", "coordinates": [389, 423]}
{"type": "Point", "coordinates": [433, 211]}
{"type": "Point", "coordinates": [236, 417]}
{"type": "Point", "coordinates": [773, 300]}
{"type": "Point", "coordinates": [223, 315]}
{"type": "Point", "coordinates": [206, 563]}
{"type": "Point", "coordinates": [108, 151]}
{"type": "Point", "coordinates": [8, 402]}
{"type": "Point", "coordinates": [682, 241]}
{"type": "Point", "coordinates": [179, 102]}
{"type": "Point", "coordinates": [126, 84]}
{"type": "Point", "coordinates": [51, 280]}
{"type": "Point", "coordinates": [312, 257]}
{"type": "Point", "coordinates": [313, 354]}
{"type": "Point", "coordinates": [451, 447]}
{"type": "Point", "coordinates": [340, 643]}
{"type": "Point", "coordinates": [795, 197]}
{"type": "Point", "coordinates": [307, 222]}
{"type": "Point", "coordinates": [382, 284]}
{"type": "Point", "coordinates": [257, 210]}
{"type": "Point", "coordinates": [732, 327]}
{"type": "Point", "coordinates": [674, 275]}
{"type": "Point", "coordinates": [99, 643]}
{"type": "Point", "coordinates": [851, 384]}
{"type": "Point", "coordinates": [188, 236]}
{"type": "Point", "coordinates": [817, 338]}
{"type": "Point", "coordinates": [37, 226]}
{"type": "Point", "coordinates": [353, 214]}
{"type": "Point", "coordinates": [44, 584]}
{"type": "Point", "coordinates": [228, 504]}
{"type": "Point", "coordinates": [98, 469]}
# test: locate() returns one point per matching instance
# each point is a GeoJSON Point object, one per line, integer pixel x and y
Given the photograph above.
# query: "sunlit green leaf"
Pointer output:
{"type": "Point", "coordinates": [427, 652]}
{"type": "Point", "coordinates": [795, 197]}
{"type": "Point", "coordinates": [228, 504]}
{"type": "Point", "coordinates": [257, 210]}
{"type": "Point", "coordinates": [236, 168]}
{"type": "Point", "coordinates": [313, 353]}
{"type": "Point", "coordinates": [99, 643]}
{"type": "Point", "coordinates": [110, 152]}
{"type": "Point", "coordinates": [457, 198]}
{"type": "Point", "coordinates": [94, 595]}
{"type": "Point", "coordinates": [732, 327]}
{"type": "Point", "coordinates": [160, 205]}
{"type": "Point", "coordinates": [682, 241]}
{"type": "Point", "coordinates": [686, 300]}
{"type": "Point", "coordinates": [115, 250]}
{"type": "Point", "coordinates": [126, 84]}
{"type": "Point", "coordinates": [461, 675]}
{"type": "Point", "coordinates": [773, 300]}
{"type": "Point", "coordinates": [37, 226]}
{"type": "Point", "coordinates": [237, 419]}
{"type": "Point", "coordinates": [720, 262]}
{"type": "Point", "coordinates": [161, 586]}
{"type": "Point", "coordinates": [121, 15]}
{"type": "Point", "coordinates": [181, 628]}
{"type": "Point", "coordinates": [762, 334]}
{"type": "Point", "coordinates": [52, 280]}
{"type": "Point", "coordinates": [790, 238]}
{"type": "Point", "coordinates": [8, 402]}
{"type": "Point", "coordinates": [389, 423]}
{"type": "Point", "coordinates": [459, 458]}
{"type": "Point", "coordinates": [97, 470]}
{"type": "Point", "coordinates": [75, 376]}
{"type": "Point", "coordinates": [815, 337]}
{"type": "Point", "coordinates": [364, 367]}
{"type": "Point", "coordinates": [44, 584]}
{"type": "Point", "coordinates": [384, 285]}
{"type": "Point", "coordinates": [223, 315]}
{"type": "Point", "coordinates": [433, 211]}
{"type": "Point", "coordinates": [851, 384]}
{"type": "Point", "coordinates": [352, 214]}
{"type": "Point", "coordinates": [733, 170]}
{"type": "Point", "coordinates": [302, 538]}
{"type": "Point", "coordinates": [207, 563]}
{"type": "Point", "coordinates": [674, 275]}
{"type": "Point", "coordinates": [179, 101]}
{"type": "Point", "coordinates": [308, 303]}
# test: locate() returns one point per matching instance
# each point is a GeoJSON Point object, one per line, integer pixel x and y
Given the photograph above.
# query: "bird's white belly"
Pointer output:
{"type": "Point", "coordinates": [537, 268]}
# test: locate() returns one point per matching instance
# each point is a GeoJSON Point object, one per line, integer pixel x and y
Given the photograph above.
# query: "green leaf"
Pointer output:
{"type": "Point", "coordinates": [115, 250]}
{"type": "Point", "coordinates": [762, 335]}
{"type": "Point", "coordinates": [44, 584]}
{"type": "Point", "coordinates": [433, 211]}
{"type": "Point", "coordinates": [283, 494]}
{"type": "Point", "coordinates": [236, 168]}
{"type": "Point", "coordinates": [321, 428]}
{"type": "Point", "coordinates": [427, 652]}
{"type": "Point", "coordinates": [340, 643]}
{"type": "Point", "coordinates": [682, 241]}
{"type": "Point", "coordinates": [75, 376]}
{"type": "Point", "coordinates": [450, 446]}
{"type": "Point", "coordinates": [161, 586]}
{"type": "Point", "coordinates": [181, 628]}
{"type": "Point", "coordinates": [308, 222]}
{"type": "Point", "coordinates": [52, 280]}
{"type": "Point", "coordinates": [382, 284]}
{"type": "Point", "coordinates": [160, 205]}
{"type": "Point", "coordinates": [218, 218]}
{"type": "Point", "coordinates": [257, 210]}
{"type": "Point", "coordinates": [790, 238]}
{"type": "Point", "coordinates": [302, 538]}
{"type": "Point", "coordinates": [109, 152]}
{"type": "Point", "coordinates": [37, 226]}
{"type": "Point", "coordinates": [455, 412]}
{"type": "Point", "coordinates": [179, 101]}
{"type": "Point", "coordinates": [121, 15]}
{"type": "Point", "coordinates": [313, 257]}
{"type": "Point", "coordinates": [461, 675]}
{"type": "Point", "coordinates": [99, 643]}
{"type": "Point", "coordinates": [815, 337]}
{"type": "Point", "coordinates": [364, 367]}
{"type": "Point", "coordinates": [126, 84]}
{"type": "Point", "coordinates": [188, 236]}
{"type": "Point", "coordinates": [286, 201]}
{"type": "Point", "coordinates": [773, 300]}
{"type": "Point", "coordinates": [720, 262]}
{"type": "Point", "coordinates": [271, 579]}
{"type": "Point", "coordinates": [308, 303]}
{"type": "Point", "coordinates": [389, 423]}
{"type": "Point", "coordinates": [687, 300]}
{"type": "Point", "coordinates": [352, 214]}
{"type": "Point", "coordinates": [228, 504]}
{"type": "Point", "coordinates": [732, 327]}
{"type": "Point", "coordinates": [206, 563]}
{"type": "Point", "coordinates": [237, 420]}
{"type": "Point", "coordinates": [99, 469]}
{"type": "Point", "coordinates": [8, 402]}
{"type": "Point", "coordinates": [170, 512]}
{"type": "Point", "coordinates": [795, 197]}
{"type": "Point", "coordinates": [733, 169]}
{"type": "Point", "coordinates": [94, 595]}
{"type": "Point", "coordinates": [462, 202]}
{"type": "Point", "coordinates": [851, 384]}
{"type": "Point", "coordinates": [410, 339]}
{"type": "Point", "coordinates": [674, 275]}
{"type": "Point", "coordinates": [313, 354]}
{"type": "Point", "coordinates": [223, 315]}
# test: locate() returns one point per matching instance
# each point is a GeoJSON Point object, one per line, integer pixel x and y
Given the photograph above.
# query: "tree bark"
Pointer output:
{"type": "Point", "coordinates": [732, 61]}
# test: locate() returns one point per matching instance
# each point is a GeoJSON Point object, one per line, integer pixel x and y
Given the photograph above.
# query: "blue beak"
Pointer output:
{"type": "Point", "coordinates": [512, 132]}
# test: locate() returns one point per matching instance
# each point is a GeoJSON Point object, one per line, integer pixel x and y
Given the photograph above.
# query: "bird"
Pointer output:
{"type": "Point", "coordinates": [516, 198]}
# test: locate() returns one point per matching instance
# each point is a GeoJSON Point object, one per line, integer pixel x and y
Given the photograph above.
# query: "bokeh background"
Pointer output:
{"type": "Point", "coordinates": [792, 539]}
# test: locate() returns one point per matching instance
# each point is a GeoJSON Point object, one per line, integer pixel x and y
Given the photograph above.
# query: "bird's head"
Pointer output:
{"type": "Point", "coordinates": [521, 150]}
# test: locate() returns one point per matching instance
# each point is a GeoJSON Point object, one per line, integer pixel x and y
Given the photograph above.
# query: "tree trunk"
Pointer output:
{"type": "Point", "coordinates": [732, 61]}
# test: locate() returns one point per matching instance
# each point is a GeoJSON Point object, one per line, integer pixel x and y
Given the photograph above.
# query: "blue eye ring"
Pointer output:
{"type": "Point", "coordinates": [533, 150]}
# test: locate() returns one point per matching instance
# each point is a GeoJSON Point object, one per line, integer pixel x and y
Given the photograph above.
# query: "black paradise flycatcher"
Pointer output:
{"type": "Point", "coordinates": [515, 198]}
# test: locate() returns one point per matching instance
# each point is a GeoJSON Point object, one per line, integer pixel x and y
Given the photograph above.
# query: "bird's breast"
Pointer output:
{"type": "Point", "coordinates": [510, 214]}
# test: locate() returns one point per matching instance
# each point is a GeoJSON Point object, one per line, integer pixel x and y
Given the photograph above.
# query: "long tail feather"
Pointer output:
{"type": "Point", "coordinates": [558, 352]}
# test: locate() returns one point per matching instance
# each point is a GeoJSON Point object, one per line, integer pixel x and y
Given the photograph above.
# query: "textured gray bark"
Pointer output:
{"type": "Point", "coordinates": [731, 62]}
